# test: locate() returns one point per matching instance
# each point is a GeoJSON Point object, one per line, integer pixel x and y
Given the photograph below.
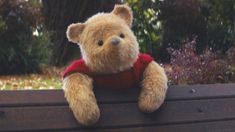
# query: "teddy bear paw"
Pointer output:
{"type": "Point", "coordinates": [149, 103]}
{"type": "Point", "coordinates": [88, 116]}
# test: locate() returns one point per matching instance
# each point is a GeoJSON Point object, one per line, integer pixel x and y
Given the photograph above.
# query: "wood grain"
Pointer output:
{"type": "Point", "coordinates": [118, 115]}
{"type": "Point", "coordinates": [56, 97]}
{"type": "Point", "coordinates": [195, 108]}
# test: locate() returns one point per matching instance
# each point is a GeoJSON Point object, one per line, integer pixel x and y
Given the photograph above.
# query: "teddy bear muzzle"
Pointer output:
{"type": "Point", "coordinates": [115, 41]}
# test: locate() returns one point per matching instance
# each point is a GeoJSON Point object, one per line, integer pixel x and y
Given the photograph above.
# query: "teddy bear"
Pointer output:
{"type": "Point", "coordinates": [110, 59]}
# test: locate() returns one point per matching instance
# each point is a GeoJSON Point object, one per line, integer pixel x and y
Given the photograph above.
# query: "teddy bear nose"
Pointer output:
{"type": "Point", "coordinates": [115, 41]}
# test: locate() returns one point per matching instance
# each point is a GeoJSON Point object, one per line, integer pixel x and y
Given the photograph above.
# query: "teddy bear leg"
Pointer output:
{"type": "Point", "coordinates": [154, 87]}
{"type": "Point", "coordinates": [78, 91]}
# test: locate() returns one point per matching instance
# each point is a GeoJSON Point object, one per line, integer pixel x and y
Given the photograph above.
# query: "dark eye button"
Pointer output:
{"type": "Point", "coordinates": [122, 35]}
{"type": "Point", "coordinates": [100, 42]}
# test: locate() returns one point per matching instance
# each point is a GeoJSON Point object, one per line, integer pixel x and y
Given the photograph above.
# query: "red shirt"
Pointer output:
{"type": "Point", "coordinates": [122, 80]}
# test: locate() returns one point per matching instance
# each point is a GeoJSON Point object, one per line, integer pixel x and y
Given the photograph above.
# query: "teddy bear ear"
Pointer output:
{"type": "Point", "coordinates": [124, 12]}
{"type": "Point", "coordinates": [74, 32]}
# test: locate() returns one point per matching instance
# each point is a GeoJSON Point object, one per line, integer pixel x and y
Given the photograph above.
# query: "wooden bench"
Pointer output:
{"type": "Point", "coordinates": [195, 108]}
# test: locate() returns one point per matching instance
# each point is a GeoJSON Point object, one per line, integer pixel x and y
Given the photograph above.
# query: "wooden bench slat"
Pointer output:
{"type": "Point", "coordinates": [202, 91]}
{"type": "Point", "coordinates": [217, 126]}
{"type": "Point", "coordinates": [32, 97]}
{"type": "Point", "coordinates": [118, 115]}
{"type": "Point", "coordinates": [56, 97]}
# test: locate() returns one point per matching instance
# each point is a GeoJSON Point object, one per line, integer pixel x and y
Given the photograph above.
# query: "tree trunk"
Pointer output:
{"type": "Point", "coordinates": [60, 13]}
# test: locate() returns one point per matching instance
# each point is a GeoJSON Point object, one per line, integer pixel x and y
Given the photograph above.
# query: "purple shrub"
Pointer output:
{"type": "Point", "coordinates": [187, 67]}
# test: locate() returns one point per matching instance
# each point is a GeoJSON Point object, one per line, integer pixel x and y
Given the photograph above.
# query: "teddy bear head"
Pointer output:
{"type": "Point", "coordinates": [106, 41]}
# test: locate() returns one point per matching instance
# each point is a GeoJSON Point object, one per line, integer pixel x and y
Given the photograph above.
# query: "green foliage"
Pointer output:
{"type": "Point", "coordinates": [159, 24]}
{"type": "Point", "coordinates": [21, 51]}
{"type": "Point", "coordinates": [146, 25]}
{"type": "Point", "coordinates": [219, 16]}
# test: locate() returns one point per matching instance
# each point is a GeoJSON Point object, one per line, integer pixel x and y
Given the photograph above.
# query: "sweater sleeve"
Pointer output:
{"type": "Point", "coordinates": [76, 66]}
{"type": "Point", "coordinates": [141, 64]}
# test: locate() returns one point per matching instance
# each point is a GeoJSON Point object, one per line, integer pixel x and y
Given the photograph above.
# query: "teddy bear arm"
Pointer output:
{"type": "Point", "coordinates": [79, 93]}
{"type": "Point", "coordinates": [154, 87]}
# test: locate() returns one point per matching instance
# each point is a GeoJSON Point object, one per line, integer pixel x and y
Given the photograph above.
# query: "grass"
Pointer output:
{"type": "Point", "coordinates": [49, 79]}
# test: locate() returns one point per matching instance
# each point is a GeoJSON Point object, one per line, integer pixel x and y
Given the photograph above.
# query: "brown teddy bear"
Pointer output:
{"type": "Point", "coordinates": [110, 59]}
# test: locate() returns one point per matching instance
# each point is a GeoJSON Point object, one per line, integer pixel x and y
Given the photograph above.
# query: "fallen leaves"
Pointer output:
{"type": "Point", "coordinates": [49, 79]}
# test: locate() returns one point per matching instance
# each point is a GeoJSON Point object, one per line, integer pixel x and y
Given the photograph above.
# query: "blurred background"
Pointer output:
{"type": "Point", "coordinates": [192, 39]}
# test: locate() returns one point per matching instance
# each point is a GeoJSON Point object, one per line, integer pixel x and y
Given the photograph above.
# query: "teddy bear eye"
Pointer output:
{"type": "Point", "coordinates": [100, 42]}
{"type": "Point", "coordinates": [122, 35]}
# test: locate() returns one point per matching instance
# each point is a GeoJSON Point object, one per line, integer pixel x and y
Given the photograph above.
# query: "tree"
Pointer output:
{"type": "Point", "coordinates": [60, 13]}
{"type": "Point", "coordinates": [21, 51]}
{"type": "Point", "coordinates": [146, 25]}
{"type": "Point", "coordinates": [181, 21]}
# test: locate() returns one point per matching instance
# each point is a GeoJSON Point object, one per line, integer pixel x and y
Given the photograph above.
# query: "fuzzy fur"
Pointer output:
{"type": "Point", "coordinates": [78, 91]}
{"type": "Point", "coordinates": [118, 57]}
{"type": "Point", "coordinates": [154, 87]}
{"type": "Point", "coordinates": [109, 58]}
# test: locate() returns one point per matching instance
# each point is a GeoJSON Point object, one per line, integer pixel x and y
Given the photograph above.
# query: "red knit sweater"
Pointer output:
{"type": "Point", "coordinates": [122, 80]}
